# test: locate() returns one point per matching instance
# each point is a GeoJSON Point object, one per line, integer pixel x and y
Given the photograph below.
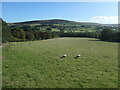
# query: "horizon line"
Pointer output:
{"type": "Point", "coordinates": [58, 19]}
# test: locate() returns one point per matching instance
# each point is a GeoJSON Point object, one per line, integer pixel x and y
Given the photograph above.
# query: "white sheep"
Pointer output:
{"type": "Point", "coordinates": [64, 55]}
{"type": "Point", "coordinates": [78, 56]}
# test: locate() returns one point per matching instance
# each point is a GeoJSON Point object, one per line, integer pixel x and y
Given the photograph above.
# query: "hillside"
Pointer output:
{"type": "Point", "coordinates": [55, 21]}
{"type": "Point", "coordinates": [61, 25]}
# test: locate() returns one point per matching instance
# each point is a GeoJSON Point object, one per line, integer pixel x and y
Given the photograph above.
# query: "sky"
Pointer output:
{"type": "Point", "coordinates": [99, 12]}
{"type": "Point", "coordinates": [60, 0]}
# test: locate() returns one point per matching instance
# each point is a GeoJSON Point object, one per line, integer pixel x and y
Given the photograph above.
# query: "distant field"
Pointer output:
{"type": "Point", "coordinates": [38, 65]}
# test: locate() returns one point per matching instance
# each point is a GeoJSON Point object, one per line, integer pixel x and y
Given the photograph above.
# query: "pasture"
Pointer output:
{"type": "Point", "coordinates": [39, 64]}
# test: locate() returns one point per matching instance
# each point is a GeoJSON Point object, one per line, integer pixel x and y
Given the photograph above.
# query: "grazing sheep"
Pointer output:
{"type": "Point", "coordinates": [64, 56]}
{"type": "Point", "coordinates": [77, 56]}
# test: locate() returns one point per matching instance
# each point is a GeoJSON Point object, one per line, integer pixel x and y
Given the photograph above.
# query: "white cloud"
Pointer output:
{"type": "Point", "coordinates": [105, 19]}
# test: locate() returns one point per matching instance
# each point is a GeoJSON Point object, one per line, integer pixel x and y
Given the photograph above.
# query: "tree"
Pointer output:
{"type": "Point", "coordinates": [36, 34]}
{"type": "Point", "coordinates": [16, 33]}
{"type": "Point", "coordinates": [106, 35]}
{"type": "Point", "coordinates": [30, 35]}
{"type": "Point", "coordinates": [48, 29]}
{"type": "Point", "coordinates": [22, 34]}
{"type": "Point", "coordinates": [6, 32]}
{"type": "Point", "coordinates": [45, 35]}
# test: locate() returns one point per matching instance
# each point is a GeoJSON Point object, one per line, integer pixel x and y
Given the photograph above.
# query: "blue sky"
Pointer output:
{"type": "Point", "coordinates": [100, 12]}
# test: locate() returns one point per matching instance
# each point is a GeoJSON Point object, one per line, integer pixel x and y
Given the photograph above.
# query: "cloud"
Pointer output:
{"type": "Point", "coordinates": [105, 19]}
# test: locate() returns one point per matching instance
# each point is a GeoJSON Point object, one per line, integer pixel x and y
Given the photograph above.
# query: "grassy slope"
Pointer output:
{"type": "Point", "coordinates": [40, 65]}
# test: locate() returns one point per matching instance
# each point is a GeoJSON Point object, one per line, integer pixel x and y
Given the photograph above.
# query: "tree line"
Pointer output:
{"type": "Point", "coordinates": [28, 35]}
{"type": "Point", "coordinates": [16, 34]}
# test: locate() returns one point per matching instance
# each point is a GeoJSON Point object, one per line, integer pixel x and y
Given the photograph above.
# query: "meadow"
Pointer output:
{"type": "Point", "coordinates": [38, 64]}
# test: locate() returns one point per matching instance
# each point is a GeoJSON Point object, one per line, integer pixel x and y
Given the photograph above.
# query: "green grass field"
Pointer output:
{"type": "Point", "coordinates": [39, 65]}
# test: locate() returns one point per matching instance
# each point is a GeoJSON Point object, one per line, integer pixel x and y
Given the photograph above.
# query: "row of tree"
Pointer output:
{"type": "Point", "coordinates": [110, 35]}
{"type": "Point", "coordinates": [105, 35]}
{"type": "Point", "coordinates": [19, 34]}
{"type": "Point", "coordinates": [80, 34]}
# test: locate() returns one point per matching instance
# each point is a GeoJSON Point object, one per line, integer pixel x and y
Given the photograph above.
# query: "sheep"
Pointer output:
{"type": "Point", "coordinates": [64, 56]}
{"type": "Point", "coordinates": [77, 56]}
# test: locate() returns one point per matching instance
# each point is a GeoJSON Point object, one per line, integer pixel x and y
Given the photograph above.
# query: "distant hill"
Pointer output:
{"type": "Point", "coordinates": [61, 25]}
{"type": "Point", "coordinates": [56, 21]}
